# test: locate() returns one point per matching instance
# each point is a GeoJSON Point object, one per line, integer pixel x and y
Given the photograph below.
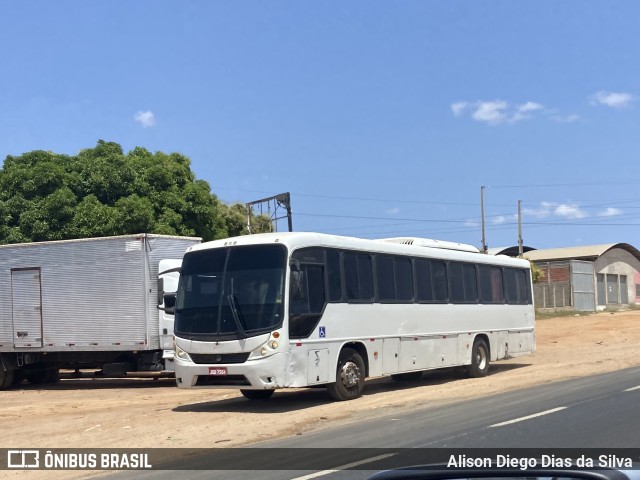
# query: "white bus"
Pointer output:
{"type": "Point", "coordinates": [279, 310]}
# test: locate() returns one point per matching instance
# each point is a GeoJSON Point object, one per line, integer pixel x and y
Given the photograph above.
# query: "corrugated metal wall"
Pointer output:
{"type": "Point", "coordinates": [566, 283]}
{"type": "Point", "coordinates": [160, 248]}
{"type": "Point", "coordinates": [96, 293]}
{"type": "Point", "coordinates": [584, 295]}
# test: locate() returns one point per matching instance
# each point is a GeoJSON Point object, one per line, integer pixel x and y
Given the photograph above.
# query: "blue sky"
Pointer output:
{"type": "Point", "coordinates": [381, 118]}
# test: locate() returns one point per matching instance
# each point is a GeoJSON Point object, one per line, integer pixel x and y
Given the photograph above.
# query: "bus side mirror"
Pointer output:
{"type": "Point", "coordinates": [169, 300]}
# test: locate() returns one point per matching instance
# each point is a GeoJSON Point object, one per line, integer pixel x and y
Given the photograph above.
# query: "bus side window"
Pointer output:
{"type": "Point", "coordinates": [424, 285]}
{"type": "Point", "coordinates": [491, 288]}
{"type": "Point", "coordinates": [334, 279]}
{"type": "Point", "coordinates": [518, 287]}
{"type": "Point", "coordinates": [358, 276]}
{"type": "Point", "coordinates": [439, 272]}
{"type": "Point", "coordinates": [307, 290]}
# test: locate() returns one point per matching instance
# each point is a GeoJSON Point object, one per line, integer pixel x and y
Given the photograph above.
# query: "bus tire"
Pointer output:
{"type": "Point", "coordinates": [479, 366]}
{"type": "Point", "coordinates": [350, 374]}
{"type": "Point", "coordinates": [257, 394]}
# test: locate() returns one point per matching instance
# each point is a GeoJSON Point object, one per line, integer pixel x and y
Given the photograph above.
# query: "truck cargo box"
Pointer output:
{"type": "Point", "coordinates": [62, 300]}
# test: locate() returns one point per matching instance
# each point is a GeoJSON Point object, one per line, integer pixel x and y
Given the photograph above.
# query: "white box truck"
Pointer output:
{"type": "Point", "coordinates": [90, 303]}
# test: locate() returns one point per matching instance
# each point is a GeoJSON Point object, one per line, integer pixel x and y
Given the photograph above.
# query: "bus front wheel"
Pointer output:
{"type": "Point", "coordinates": [257, 394]}
{"type": "Point", "coordinates": [479, 359]}
{"type": "Point", "coordinates": [349, 376]}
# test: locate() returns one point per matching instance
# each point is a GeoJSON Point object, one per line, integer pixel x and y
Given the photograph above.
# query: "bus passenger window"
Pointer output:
{"type": "Point", "coordinates": [404, 279]}
{"type": "Point", "coordinates": [439, 272]}
{"type": "Point", "coordinates": [423, 281]}
{"type": "Point", "coordinates": [385, 278]}
{"type": "Point", "coordinates": [358, 276]}
{"type": "Point", "coordinates": [334, 279]}
{"type": "Point", "coordinates": [491, 288]}
{"type": "Point", "coordinates": [307, 290]}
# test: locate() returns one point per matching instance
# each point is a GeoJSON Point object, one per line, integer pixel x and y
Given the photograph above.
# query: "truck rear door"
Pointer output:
{"type": "Point", "coordinates": [26, 300]}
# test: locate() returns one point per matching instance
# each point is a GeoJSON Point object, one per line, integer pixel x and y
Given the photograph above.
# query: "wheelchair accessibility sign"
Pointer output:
{"type": "Point", "coordinates": [322, 332]}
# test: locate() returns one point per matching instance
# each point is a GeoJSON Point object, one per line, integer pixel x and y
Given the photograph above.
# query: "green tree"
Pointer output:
{"type": "Point", "coordinates": [103, 191]}
{"type": "Point", "coordinates": [536, 273]}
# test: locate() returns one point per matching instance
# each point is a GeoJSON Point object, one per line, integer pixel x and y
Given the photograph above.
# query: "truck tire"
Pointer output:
{"type": "Point", "coordinates": [47, 375]}
{"type": "Point", "coordinates": [479, 366]}
{"type": "Point", "coordinates": [18, 377]}
{"type": "Point", "coordinates": [6, 378]}
{"type": "Point", "coordinates": [350, 375]}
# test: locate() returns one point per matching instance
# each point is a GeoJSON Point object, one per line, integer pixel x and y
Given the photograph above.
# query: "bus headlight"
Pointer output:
{"type": "Point", "coordinates": [273, 344]}
{"type": "Point", "coordinates": [181, 354]}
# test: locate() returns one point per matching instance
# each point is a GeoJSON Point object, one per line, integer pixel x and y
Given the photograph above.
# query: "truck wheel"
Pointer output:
{"type": "Point", "coordinates": [47, 375]}
{"type": "Point", "coordinates": [349, 376]}
{"type": "Point", "coordinates": [18, 377]}
{"type": "Point", "coordinates": [257, 394]}
{"type": "Point", "coordinates": [479, 359]}
{"type": "Point", "coordinates": [53, 375]}
{"type": "Point", "coordinates": [6, 378]}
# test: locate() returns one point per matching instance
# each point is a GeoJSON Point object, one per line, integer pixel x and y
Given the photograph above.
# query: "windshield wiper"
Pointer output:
{"type": "Point", "coordinates": [236, 313]}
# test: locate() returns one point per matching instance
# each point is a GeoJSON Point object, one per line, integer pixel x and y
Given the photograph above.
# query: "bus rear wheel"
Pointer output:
{"type": "Point", "coordinates": [257, 394]}
{"type": "Point", "coordinates": [479, 359]}
{"type": "Point", "coordinates": [349, 376]}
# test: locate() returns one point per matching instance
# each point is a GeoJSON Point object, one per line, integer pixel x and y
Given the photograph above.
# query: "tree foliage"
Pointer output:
{"type": "Point", "coordinates": [102, 191]}
{"type": "Point", "coordinates": [536, 273]}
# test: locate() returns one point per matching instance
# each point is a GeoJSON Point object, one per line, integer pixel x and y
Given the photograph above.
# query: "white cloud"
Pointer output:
{"type": "Point", "coordinates": [542, 212]}
{"type": "Point", "coordinates": [498, 219]}
{"type": "Point", "coordinates": [562, 210]}
{"type": "Point", "coordinates": [392, 211]}
{"type": "Point", "coordinates": [471, 223]}
{"type": "Point", "coordinates": [492, 113]}
{"type": "Point", "coordinates": [458, 107]}
{"type": "Point", "coordinates": [496, 112]}
{"type": "Point", "coordinates": [146, 119]}
{"type": "Point", "coordinates": [612, 99]}
{"type": "Point", "coordinates": [529, 107]}
{"type": "Point", "coordinates": [610, 212]}
{"type": "Point", "coordinates": [569, 211]}
{"type": "Point", "coordinates": [566, 118]}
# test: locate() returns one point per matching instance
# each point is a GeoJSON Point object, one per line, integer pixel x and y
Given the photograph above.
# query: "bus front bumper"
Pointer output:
{"type": "Point", "coordinates": [265, 373]}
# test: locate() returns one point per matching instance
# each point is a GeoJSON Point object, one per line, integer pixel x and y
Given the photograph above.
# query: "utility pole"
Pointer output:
{"type": "Point", "coordinates": [520, 252]}
{"type": "Point", "coordinates": [484, 240]}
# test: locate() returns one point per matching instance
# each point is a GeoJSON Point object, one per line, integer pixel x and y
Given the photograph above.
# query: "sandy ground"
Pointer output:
{"type": "Point", "coordinates": [128, 413]}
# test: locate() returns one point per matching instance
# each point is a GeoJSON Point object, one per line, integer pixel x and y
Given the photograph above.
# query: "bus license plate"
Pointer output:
{"type": "Point", "coordinates": [217, 371]}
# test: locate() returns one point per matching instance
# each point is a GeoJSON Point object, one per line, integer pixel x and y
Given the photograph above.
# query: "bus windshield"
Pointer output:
{"type": "Point", "coordinates": [231, 292]}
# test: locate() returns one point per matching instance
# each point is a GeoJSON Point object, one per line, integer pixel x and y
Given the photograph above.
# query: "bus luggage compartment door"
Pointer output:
{"type": "Point", "coordinates": [318, 366]}
{"type": "Point", "coordinates": [390, 355]}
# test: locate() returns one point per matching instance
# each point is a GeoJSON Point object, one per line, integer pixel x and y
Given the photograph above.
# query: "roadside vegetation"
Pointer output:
{"type": "Point", "coordinates": [103, 191]}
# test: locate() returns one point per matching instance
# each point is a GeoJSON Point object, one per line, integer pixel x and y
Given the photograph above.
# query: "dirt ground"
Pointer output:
{"type": "Point", "coordinates": [128, 413]}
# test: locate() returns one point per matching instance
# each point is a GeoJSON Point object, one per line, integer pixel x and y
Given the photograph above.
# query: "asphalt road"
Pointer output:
{"type": "Point", "coordinates": [598, 412]}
